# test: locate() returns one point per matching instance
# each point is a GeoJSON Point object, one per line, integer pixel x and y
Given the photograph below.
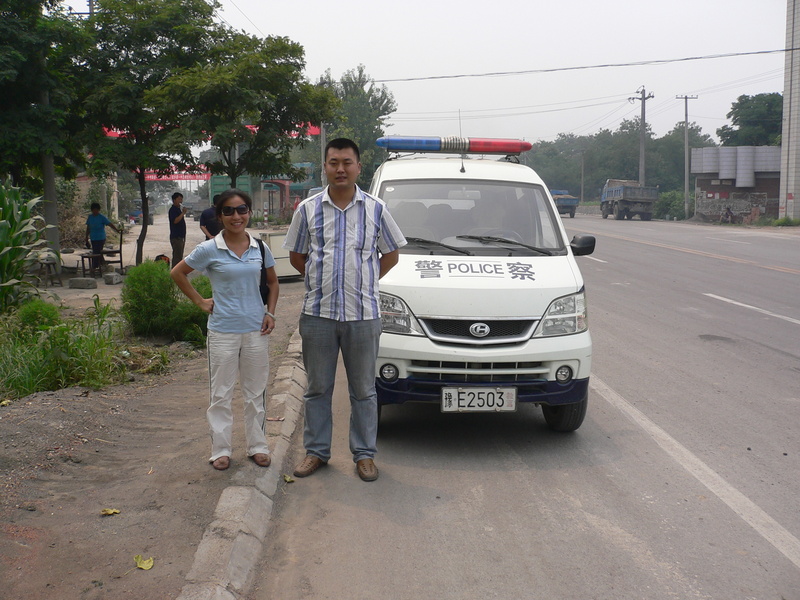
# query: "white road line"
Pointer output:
{"type": "Point", "coordinates": [766, 526]}
{"type": "Point", "coordinates": [597, 259]}
{"type": "Point", "coordinates": [726, 240]}
{"type": "Point", "coordinates": [755, 308]}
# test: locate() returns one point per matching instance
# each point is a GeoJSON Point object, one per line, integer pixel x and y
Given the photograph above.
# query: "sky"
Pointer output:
{"type": "Point", "coordinates": [441, 59]}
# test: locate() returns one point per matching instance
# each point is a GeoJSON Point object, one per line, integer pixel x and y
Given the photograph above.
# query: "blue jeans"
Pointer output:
{"type": "Point", "coordinates": [358, 342]}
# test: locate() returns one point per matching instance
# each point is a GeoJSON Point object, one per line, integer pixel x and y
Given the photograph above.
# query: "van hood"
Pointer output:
{"type": "Point", "coordinates": [499, 287]}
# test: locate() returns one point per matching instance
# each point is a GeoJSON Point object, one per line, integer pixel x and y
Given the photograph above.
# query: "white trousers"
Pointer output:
{"type": "Point", "coordinates": [245, 355]}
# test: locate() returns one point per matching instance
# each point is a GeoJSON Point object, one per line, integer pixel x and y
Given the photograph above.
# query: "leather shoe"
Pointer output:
{"type": "Point", "coordinates": [308, 466]}
{"type": "Point", "coordinates": [366, 469]}
{"type": "Point", "coordinates": [261, 459]}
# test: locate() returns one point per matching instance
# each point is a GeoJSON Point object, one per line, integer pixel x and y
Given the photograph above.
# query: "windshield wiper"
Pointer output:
{"type": "Point", "coordinates": [424, 242]}
{"type": "Point", "coordinates": [501, 240]}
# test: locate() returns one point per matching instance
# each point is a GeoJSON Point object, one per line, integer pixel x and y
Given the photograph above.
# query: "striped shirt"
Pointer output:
{"type": "Point", "coordinates": [343, 248]}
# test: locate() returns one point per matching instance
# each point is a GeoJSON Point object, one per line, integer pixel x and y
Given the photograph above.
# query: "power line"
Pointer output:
{"type": "Point", "coordinates": [587, 67]}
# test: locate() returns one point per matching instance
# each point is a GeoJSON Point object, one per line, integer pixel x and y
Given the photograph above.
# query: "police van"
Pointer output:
{"type": "Point", "coordinates": [486, 308]}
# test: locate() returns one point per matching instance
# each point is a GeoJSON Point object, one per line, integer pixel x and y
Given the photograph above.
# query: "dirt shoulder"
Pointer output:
{"type": "Point", "coordinates": [139, 448]}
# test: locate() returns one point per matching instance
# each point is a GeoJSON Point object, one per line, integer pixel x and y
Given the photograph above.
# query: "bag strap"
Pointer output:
{"type": "Point", "coordinates": [263, 255]}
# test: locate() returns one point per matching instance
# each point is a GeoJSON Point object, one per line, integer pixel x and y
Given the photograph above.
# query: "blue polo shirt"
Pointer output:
{"type": "Point", "coordinates": [234, 284]}
{"type": "Point", "coordinates": [97, 226]}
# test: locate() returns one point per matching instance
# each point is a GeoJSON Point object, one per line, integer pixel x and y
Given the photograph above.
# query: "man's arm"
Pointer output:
{"type": "Point", "coordinates": [298, 261]}
{"type": "Point", "coordinates": [387, 261]}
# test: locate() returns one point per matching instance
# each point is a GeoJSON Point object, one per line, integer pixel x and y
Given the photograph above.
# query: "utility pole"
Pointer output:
{"type": "Point", "coordinates": [642, 129]}
{"type": "Point", "coordinates": [686, 154]}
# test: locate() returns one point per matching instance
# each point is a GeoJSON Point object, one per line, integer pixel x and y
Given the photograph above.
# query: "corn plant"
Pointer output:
{"type": "Point", "coordinates": [21, 242]}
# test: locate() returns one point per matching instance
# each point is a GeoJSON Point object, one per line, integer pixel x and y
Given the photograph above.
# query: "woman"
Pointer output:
{"type": "Point", "coordinates": [238, 326]}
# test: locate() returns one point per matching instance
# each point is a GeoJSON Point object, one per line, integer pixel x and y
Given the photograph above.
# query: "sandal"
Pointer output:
{"type": "Point", "coordinates": [222, 463]}
{"type": "Point", "coordinates": [261, 459]}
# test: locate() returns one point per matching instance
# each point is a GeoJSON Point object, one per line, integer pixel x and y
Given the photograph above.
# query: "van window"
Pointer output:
{"type": "Point", "coordinates": [443, 210]}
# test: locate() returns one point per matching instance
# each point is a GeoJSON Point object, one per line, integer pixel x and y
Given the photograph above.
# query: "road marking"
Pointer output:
{"type": "Point", "coordinates": [730, 241]}
{"type": "Point", "coordinates": [741, 261]}
{"type": "Point", "coordinates": [755, 308]}
{"type": "Point", "coordinates": [772, 531]}
{"type": "Point", "coordinates": [597, 259]}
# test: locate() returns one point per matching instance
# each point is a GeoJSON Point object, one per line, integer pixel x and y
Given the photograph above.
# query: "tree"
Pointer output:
{"type": "Point", "coordinates": [38, 85]}
{"type": "Point", "coordinates": [250, 102]}
{"type": "Point", "coordinates": [361, 116]}
{"type": "Point", "coordinates": [755, 121]}
{"type": "Point", "coordinates": [139, 46]}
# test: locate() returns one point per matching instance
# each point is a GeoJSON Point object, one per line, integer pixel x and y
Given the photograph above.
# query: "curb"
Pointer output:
{"type": "Point", "coordinates": [232, 542]}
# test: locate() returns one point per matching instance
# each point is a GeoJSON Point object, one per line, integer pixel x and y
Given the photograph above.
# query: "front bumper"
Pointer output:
{"type": "Point", "coordinates": [424, 367]}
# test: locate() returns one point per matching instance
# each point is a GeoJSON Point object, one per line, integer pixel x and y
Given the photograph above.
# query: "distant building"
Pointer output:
{"type": "Point", "coordinates": [739, 177]}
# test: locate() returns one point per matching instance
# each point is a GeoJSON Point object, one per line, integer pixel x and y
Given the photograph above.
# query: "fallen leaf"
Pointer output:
{"type": "Point", "coordinates": [142, 563]}
{"type": "Point", "coordinates": [150, 472]}
{"type": "Point", "coordinates": [5, 402]}
{"type": "Point", "coordinates": [109, 511]}
{"type": "Point", "coordinates": [287, 479]}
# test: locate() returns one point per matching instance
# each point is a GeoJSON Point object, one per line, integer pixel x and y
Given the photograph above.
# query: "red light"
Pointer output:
{"type": "Point", "coordinates": [498, 146]}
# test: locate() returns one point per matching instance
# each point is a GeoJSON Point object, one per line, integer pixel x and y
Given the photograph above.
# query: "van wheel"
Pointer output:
{"type": "Point", "coordinates": [567, 417]}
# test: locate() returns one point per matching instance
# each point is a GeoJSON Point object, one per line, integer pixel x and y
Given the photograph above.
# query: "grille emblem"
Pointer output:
{"type": "Point", "coordinates": [479, 329]}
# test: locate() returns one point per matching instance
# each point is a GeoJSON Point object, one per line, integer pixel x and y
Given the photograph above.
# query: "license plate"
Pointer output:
{"type": "Point", "coordinates": [479, 399]}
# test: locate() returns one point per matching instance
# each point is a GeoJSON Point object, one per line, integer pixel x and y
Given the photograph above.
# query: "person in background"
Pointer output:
{"type": "Point", "coordinates": [209, 224]}
{"type": "Point", "coordinates": [238, 326]}
{"type": "Point", "coordinates": [342, 241]}
{"type": "Point", "coordinates": [177, 227]}
{"type": "Point", "coordinates": [96, 224]}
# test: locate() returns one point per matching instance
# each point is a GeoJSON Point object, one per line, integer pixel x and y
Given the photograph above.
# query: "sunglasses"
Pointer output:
{"type": "Point", "coordinates": [242, 209]}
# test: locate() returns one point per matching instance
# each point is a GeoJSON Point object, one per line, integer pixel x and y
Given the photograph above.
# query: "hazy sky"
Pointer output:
{"type": "Point", "coordinates": [434, 38]}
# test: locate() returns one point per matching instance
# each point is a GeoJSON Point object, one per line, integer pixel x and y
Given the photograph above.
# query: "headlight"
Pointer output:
{"type": "Point", "coordinates": [397, 318]}
{"type": "Point", "coordinates": [564, 316]}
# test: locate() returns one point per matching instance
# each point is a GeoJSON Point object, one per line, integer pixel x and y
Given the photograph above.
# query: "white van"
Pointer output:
{"type": "Point", "coordinates": [486, 307]}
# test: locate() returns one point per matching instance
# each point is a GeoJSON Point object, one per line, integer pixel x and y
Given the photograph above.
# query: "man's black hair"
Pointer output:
{"type": "Point", "coordinates": [176, 195]}
{"type": "Point", "coordinates": [341, 144]}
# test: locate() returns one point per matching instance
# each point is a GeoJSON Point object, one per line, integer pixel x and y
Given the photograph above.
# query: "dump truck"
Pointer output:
{"type": "Point", "coordinates": [624, 198]}
{"type": "Point", "coordinates": [565, 202]}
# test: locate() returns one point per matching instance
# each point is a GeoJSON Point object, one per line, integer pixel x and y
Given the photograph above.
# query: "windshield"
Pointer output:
{"type": "Point", "coordinates": [477, 215]}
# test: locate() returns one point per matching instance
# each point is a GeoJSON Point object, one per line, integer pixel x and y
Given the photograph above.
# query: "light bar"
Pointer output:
{"type": "Point", "coordinates": [453, 145]}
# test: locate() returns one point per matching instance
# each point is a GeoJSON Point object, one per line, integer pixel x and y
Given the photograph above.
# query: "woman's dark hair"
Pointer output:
{"type": "Point", "coordinates": [227, 195]}
{"type": "Point", "coordinates": [94, 205]}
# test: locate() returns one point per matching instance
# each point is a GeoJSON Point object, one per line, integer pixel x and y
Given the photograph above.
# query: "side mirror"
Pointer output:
{"type": "Point", "coordinates": [582, 245]}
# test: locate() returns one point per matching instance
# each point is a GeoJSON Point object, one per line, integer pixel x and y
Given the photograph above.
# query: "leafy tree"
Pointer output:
{"type": "Point", "coordinates": [361, 116]}
{"type": "Point", "coordinates": [139, 46]}
{"type": "Point", "coordinates": [250, 101]}
{"type": "Point", "coordinates": [755, 121]}
{"type": "Point", "coordinates": [39, 87]}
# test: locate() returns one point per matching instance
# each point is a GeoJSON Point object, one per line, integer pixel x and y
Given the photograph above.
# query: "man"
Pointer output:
{"type": "Point", "coordinates": [96, 224]}
{"type": "Point", "coordinates": [177, 227]}
{"type": "Point", "coordinates": [342, 241]}
{"type": "Point", "coordinates": [209, 224]}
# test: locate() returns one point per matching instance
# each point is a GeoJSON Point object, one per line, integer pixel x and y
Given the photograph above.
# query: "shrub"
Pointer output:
{"type": "Point", "coordinates": [21, 240]}
{"type": "Point", "coordinates": [670, 205]}
{"type": "Point", "coordinates": [786, 222]}
{"type": "Point", "coordinates": [76, 352]}
{"type": "Point", "coordinates": [154, 306]}
{"type": "Point", "coordinates": [38, 315]}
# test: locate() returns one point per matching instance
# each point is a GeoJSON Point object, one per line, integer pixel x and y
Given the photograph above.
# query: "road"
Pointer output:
{"type": "Point", "coordinates": [681, 483]}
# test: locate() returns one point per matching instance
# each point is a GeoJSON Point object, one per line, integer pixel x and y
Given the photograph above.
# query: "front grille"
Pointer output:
{"type": "Point", "coordinates": [458, 331]}
{"type": "Point", "coordinates": [476, 372]}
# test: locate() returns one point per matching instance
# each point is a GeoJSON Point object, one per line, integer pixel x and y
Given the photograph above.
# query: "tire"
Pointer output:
{"type": "Point", "coordinates": [604, 212]}
{"type": "Point", "coordinates": [572, 214]}
{"type": "Point", "coordinates": [628, 216]}
{"type": "Point", "coordinates": [618, 214]}
{"type": "Point", "coordinates": [645, 216]}
{"type": "Point", "coordinates": [567, 417]}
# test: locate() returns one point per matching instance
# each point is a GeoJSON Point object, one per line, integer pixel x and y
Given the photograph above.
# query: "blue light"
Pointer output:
{"type": "Point", "coordinates": [410, 144]}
